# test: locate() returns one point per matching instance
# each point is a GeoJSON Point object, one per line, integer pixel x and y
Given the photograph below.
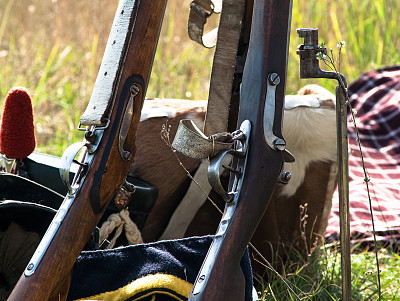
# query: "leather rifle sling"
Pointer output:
{"type": "Point", "coordinates": [200, 11]}
{"type": "Point", "coordinates": [230, 25]}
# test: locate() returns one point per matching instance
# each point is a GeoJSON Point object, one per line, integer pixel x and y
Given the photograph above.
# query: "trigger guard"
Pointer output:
{"type": "Point", "coordinates": [213, 175]}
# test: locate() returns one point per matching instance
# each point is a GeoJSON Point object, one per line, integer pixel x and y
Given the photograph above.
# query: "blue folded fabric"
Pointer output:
{"type": "Point", "coordinates": [164, 270]}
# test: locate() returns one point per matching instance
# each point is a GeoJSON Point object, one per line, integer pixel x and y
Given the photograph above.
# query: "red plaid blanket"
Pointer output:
{"type": "Point", "coordinates": [376, 98]}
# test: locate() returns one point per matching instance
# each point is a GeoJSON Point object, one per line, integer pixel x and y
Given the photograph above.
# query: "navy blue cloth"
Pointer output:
{"type": "Point", "coordinates": [96, 272]}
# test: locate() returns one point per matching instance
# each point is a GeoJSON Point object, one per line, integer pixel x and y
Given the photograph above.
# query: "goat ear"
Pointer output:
{"type": "Point", "coordinates": [326, 98]}
{"type": "Point", "coordinates": [315, 89]}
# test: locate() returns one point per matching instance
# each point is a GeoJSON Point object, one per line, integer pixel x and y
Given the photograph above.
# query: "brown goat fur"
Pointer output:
{"type": "Point", "coordinates": [283, 225]}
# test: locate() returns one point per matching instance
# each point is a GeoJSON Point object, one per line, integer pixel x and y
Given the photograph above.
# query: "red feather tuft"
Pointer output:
{"type": "Point", "coordinates": [17, 134]}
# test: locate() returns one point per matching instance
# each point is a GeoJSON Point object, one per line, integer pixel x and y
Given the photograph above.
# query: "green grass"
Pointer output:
{"type": "Point", "coordinates": [319, 277]}
{"type": "Point", "coordinates": [54, 48]}
{"type": "Point", "coordinates": [369, 27]}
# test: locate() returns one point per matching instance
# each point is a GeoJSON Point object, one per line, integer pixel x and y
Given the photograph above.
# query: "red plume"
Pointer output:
{"type": "Point", "coordinates": [17, 134]}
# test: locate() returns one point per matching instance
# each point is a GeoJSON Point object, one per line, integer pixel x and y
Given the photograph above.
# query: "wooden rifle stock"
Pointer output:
{"type": "Point", "coordinates": [261, 102]}
{"type": "Point", "coordinates": [108, 168]}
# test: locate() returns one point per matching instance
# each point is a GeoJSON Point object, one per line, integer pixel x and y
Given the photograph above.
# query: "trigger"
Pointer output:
{"type": "Point", "coordinates": [288, 157]}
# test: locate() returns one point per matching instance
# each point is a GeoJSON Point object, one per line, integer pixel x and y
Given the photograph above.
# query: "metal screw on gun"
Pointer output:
{"type": "Point", "coordinates": [134, 90]}
{"type": "Point", "coordinates": [274, 79]}
{"type": "Point", "coordinates": [284, 177]}
{"type": "Point", "coordinates": [279, 144]}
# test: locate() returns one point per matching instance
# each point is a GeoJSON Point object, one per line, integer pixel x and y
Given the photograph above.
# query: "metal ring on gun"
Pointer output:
{"type": "Point", "coordinates": [66, 162]}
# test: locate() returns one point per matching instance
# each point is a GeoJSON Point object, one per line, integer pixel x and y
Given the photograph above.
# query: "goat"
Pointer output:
{"type": "Point", "coordinates": [298, 211]}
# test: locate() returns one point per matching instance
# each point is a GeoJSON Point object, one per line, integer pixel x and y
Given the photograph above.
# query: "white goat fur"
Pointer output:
{"type": "Point", "coordinates": [309, 134]}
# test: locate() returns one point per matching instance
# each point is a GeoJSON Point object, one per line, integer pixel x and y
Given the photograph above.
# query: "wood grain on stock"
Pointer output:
{"type": "Point", "coordinates": [81, 219]}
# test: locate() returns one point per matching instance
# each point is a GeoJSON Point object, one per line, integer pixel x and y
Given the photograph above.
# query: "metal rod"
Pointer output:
{"type": "Point", "coordinates": [309, 68]}
{"type": "Point", "coordinates": [343, 188]}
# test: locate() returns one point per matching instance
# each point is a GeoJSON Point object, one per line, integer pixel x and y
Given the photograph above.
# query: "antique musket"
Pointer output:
{"type": "Point", "coordinates": [110, 120]}
{"type": "Point", "coordinates": [259, 153]}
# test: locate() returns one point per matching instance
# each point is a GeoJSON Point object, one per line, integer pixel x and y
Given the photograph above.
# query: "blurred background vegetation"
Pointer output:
{"type": "Point", "coordinates": [54, 48]}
